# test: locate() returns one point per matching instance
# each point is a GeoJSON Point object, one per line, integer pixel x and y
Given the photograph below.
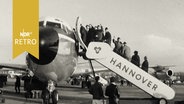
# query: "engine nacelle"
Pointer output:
{"type": "Point", "coordinates": [164, 75]}
{"type": "Point", "coordinates": [169, 73]}
{"type": "Point", "coordinates": [48, 46]}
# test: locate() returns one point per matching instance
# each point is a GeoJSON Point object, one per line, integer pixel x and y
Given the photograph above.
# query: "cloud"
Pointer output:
{"type": "Point", "coordinates": [162, 50]}
{"type": "Point", "coordinates": [161, 44]}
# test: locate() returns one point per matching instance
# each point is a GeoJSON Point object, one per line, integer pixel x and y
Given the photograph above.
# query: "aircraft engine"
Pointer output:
{"type": "Point", "coordinates": [48, 46]}
{"type": "Point", "coordinates": [169, 73]}
{"type": "Point", "coordinates": [164, 75]}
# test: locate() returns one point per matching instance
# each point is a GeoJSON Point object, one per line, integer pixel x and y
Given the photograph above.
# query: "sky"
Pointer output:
{"type": "Point", "coordinates": [155, 28]}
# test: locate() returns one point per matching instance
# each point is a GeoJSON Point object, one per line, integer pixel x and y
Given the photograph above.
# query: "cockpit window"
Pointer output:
{"type": "Point", "coordinates": [51, 24]}
{"type": "Point", "coordinates": [41, 23]}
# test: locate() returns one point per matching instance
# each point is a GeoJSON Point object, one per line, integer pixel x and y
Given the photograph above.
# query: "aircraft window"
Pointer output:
{"type": "Point", "coordinates": [41, 23]}
{"type": "Point", "coordinates": [51, 24]}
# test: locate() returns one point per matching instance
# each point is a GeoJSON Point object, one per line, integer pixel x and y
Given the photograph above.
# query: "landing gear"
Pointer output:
{"type": "Point", "coordinates": [55, 97]}
{"type": "Point", "coordinates": [45, 96]}
{"type": "Point", "coordinates": [50, 93]}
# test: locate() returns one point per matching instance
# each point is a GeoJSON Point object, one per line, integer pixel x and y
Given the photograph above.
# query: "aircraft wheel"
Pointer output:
{"type": "Point", "coordinates": [162, 101]}
{"type": "Point", "coordinates": [55, 97]}
{"type": "Point", "coordinates": [45, 96]}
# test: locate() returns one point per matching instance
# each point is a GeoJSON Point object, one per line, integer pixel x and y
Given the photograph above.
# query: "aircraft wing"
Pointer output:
{"type": "Point", "coordinates": [84, 68]}
{"type": "Point", "coordinates": [159, 68]}
{"type": "Point", "coordinates": [83, 73]}
{"type": "Point", "coordinates": [14, 66]}
{"type": "Point", "coordinates": [90, 73]}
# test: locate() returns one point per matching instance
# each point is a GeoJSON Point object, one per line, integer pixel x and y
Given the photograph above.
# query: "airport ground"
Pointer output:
{"type": "Point", "coordinates": [75, 95]}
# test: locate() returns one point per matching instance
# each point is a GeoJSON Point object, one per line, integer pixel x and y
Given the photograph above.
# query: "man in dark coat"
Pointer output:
{"type": "Point", "coordinates": [112, 92]}
{"type": "Point", "coordinates": [98, 35]}
{"type": "Point", "coordinates": [136, 59]}
{"type": "Point", "coordinates": [17, 84]}
{"type": "Point", "coordinates": [126, 51]}
{"type": "Point", "coordinates": [107, 37]}
{"type": "Point", "coordinates": [118, 45]}
{"type": "Point", "coordinates": [97, 91]}
{"type": "Point", "coordinates": [145, 64]}
{"type": "Point", "coordinates": [90, 34]}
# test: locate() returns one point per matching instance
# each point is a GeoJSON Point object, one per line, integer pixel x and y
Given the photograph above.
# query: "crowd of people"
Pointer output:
{"type": "Point", "coordinates": [97, 33]}
{"type": "Point", "coordinates": [124, 50]}
{"type": "Point", "coordinates": [98, 94]}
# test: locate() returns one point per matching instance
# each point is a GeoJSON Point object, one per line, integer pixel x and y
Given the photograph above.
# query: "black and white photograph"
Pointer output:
{"type": "Point", "coordinates": [92, 52]}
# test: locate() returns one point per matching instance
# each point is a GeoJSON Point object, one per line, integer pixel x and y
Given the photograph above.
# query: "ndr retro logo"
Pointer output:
{"type": "Point", "coordinates": [25, 38]}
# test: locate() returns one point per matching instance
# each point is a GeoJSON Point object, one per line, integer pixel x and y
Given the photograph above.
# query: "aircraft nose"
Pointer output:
{"type": "Point", "coordinates": [48, 46]}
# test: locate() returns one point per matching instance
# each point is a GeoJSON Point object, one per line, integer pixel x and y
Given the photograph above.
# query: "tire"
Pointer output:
{"type": "Point", "coordinates": [45, 96]}
{"type": "Point", "coordinates": [162, 101]}
{"type": "Point", "coordinates": [55, 97]}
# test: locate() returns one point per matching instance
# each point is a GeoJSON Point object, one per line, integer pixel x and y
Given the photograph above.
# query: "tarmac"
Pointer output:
{"type": "Point", "coordinates": [75, 95]}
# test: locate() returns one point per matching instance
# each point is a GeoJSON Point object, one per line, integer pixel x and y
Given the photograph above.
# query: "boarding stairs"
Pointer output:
{"type": "Point", "coordinates": [103, 54]}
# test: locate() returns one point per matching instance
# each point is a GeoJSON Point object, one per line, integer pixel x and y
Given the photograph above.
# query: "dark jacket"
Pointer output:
{"type": "Point", "coordinates": [98, 36]}
{"type": "Point", "coordinates": [17, 83]}
{"type": "Point", "coordinates": [107, 37]}
{"type": "Point", "coordinates": [90, 36]}
{"type": "Point", "coordinates": [145, 65]}
{"type": "Point", "coordinates": [136, 60]}
{"type": "Point", "coordinates": [97, 91]}
{"type": "Point", "coordinates": [112, 92]}
{"type": "Point", "coordinates": [117, 47]}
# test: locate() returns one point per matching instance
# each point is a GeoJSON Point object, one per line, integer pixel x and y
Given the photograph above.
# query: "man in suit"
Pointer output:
{"type": "Point", "coordinates": [112, 92]}
{"type": "Point", "coordinates": [126, 51]}
{"type": "Point", "coordinates": [118, 45]}
{"type": "Point", "coordinates": [107, 37]}
{"type": "Point", "coordinates": [97, 92]}
{"type": "Point", "coordinates": [136, 59]}
{"type": "Point", "coordinates": [145, 64]}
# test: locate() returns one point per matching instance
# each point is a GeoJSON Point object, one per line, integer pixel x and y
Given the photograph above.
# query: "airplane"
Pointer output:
{"type": "Point", "coordinates": [163, 73]}
{"type": "Point", "coordinates": [58, 57]}
{"type": "Point", "coordinates": [179, 77]}
{"type": "Point", "coordinates": [168, 74]}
